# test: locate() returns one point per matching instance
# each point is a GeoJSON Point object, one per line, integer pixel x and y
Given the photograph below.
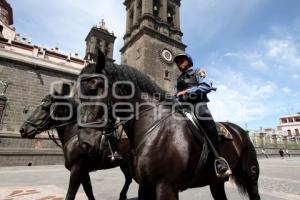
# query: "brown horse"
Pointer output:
{"type": "Point", "coordinates": [77, 159]}
{"type": "Point", "coordinates": [166, 153]}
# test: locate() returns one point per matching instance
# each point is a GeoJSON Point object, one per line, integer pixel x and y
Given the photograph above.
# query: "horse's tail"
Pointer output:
{"type": "Point", "coordinates": [246, 172]}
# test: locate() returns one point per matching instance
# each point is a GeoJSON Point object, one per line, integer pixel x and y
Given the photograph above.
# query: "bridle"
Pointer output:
{"type": "Point", "coordinates": [51, 134]}
{"type": "Point", "coordinates": [40, 128]}
{"type": "Point", "coordinates": [109, 108]}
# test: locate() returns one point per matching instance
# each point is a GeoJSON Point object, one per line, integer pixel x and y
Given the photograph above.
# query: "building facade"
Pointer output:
{"type": "Point", "coordinates": [26, 73]}
{"type": "Point", "coordinates": [152, 38]}
{"type": "Point", "coordinates": [289, 125]}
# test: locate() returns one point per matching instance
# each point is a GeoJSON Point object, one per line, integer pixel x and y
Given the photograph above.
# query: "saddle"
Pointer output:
{"type": "Point", "coordinates": [98, 143]}
{"type": "Point", "coordinates": [198, 133]}
{"type": "Point", "coordinates": [223, 131]}
{"type": "Point", "coordinates": [194, 126]}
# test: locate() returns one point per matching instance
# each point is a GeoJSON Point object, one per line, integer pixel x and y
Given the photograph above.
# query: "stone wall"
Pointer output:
{"type": "Point", "coordinates": [28, 82]}
{"type": "Point", "coordinates": [27, 85]}
{"type": "Point", "coordinates": [16, 151]}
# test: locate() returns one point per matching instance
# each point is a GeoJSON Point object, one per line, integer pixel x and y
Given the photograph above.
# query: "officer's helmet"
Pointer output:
{"type": "Point", "coordinates": [185, 55]}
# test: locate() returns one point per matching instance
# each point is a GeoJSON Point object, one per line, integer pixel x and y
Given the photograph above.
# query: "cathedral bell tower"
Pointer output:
{"type": "Point", "coordinates": [7, 32]}
{"type": "Point", "coordinates": [99, 37]}
{"type": "Point", "coordinates": [152, 38]}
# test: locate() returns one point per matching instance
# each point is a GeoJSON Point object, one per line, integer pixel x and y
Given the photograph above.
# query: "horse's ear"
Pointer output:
{"type": "Point", "coordinates": [62, 88]}
{"type": "Point", "coordinates": [100, 64]}
{"type": "Point", "coordinates": [67, 88]}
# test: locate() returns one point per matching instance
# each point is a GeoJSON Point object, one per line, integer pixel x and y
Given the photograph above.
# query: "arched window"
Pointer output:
{"type": "Point", "coordinates": [171, 14]}
{"type": "Point", "coordinates": [1, 29]}
{"type": "Point", "coordinates": [107, 49]}
{"type": "Point", "coordinates": [156, 7]}
{"type": "Point", "coordinates": [167, 75]}
{"type": "Point", "coordinates": [131, 14]}
{"type": "Point", "coordinates": [139, 9]}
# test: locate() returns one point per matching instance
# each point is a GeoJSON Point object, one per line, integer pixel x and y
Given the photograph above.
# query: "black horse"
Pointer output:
{"type": "Point", "coordinates": [166, 153]}
{"type": "Point", "coordinates": [77, 160]}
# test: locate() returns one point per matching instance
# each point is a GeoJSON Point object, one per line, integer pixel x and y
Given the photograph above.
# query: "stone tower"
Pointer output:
{"type": "Point", "coordinates": [101, 37]}
{"type": "Point", "coordinates": [152, 38]}
{"type": "Point", "coordinates": [6, 21]}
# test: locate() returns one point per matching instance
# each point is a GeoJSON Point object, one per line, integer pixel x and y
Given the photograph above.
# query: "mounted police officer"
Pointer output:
{"type": "Point", "coordinates": [193, 87]}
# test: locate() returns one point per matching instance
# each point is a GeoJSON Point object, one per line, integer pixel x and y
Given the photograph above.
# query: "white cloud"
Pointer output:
{"type": "Point", "coordinates": [295, 76]}
{"type": "Point", "coordinates": [259, 65]}
{"type": "Point", "coordinates": [240, 98]}
{"type": "Point", "coordinates": [231, 54]}
{"type": "Point", "coordinates": [278, 55]}
{"type": "Point", "coordinates": [276, 47]}
{"type": "Point", "coordinates": [283, 51]}
{"type": "Point", "coordinates": [286, 90]}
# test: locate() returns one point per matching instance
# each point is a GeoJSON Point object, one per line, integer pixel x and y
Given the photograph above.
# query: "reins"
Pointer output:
{"type": "Point", "coordinates": [52, 136]}
{"type": "Point", "coordinates": [154, 125]}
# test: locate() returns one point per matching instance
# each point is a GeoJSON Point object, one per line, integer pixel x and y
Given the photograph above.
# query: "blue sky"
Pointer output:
{"type": "Point", "coordinates": [250, 49]}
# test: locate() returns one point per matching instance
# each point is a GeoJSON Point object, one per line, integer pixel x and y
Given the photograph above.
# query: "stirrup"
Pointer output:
{"type": "Point", "coordinates": [225, 174]}
{"type": "Point", "coordinates": [115, 156]}
{"type": "Point", "coordinates": [112, 156]}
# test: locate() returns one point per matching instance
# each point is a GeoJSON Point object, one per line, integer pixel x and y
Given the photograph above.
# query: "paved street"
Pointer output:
{"type": "Point", "coordinates": [280, 179]}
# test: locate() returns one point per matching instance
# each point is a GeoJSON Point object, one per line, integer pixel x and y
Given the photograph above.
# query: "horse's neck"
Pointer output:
{"type": "Point", "coordinates": [147, 114]}
{"type": "Point", "coordinates": [66, 132]}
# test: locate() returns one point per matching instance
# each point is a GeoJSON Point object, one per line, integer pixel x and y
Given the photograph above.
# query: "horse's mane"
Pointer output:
{"type": "Point", "coordinates": [89, 69]}
{"type": "Point", "coordinates": [48, 97]}
{"type": "Point", "coordinates": [141, 81]}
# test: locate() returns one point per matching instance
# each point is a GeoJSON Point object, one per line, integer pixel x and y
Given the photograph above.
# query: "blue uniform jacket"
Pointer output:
{"type": "Point", "coordinates": [204, 85]}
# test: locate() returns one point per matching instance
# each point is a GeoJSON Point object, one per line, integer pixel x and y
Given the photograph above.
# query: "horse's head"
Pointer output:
{"type": "Point", "coordinates": [93, 92]}
{"type": "Point", "coordinates": [113, 91]}
{"type": "Point", "coordinates": [49, 113]}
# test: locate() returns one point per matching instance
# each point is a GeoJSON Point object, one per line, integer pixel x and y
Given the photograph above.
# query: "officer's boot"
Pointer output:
{"type": "Point", "coordinates": [221, 166]}
{"type": "Point", "coordinates": [208, 124]}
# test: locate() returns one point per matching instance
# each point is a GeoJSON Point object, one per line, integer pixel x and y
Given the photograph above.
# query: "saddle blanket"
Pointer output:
{"type": "Point", "coordinates": [223, 131]}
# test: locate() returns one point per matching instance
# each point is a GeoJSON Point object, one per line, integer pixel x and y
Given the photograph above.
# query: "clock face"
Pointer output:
{"type": "Point", "coordinates": [167, 55]}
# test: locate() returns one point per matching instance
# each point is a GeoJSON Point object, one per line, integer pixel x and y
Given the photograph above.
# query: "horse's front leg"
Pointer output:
{"type": "Point", "coordinates": [218, 191]}
{"type": "Point", "coordinates": [74, 182]}
{"type": "Point", "coordinates": [87, 186]}
{"type": "Point", "coordinates": [128, 179]}
{"type": "Point", "coordinates": [165, 191]}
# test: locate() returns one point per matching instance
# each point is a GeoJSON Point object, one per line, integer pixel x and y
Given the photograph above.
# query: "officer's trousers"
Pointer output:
{"type": "Point", "coordinates": [207, 122]}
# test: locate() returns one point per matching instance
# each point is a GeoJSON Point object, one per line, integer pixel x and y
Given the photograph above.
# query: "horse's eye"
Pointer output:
{"type": "Point", "coordinates": [93, 81]}
{"type": "Point", "coordinates": [45, 105]}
